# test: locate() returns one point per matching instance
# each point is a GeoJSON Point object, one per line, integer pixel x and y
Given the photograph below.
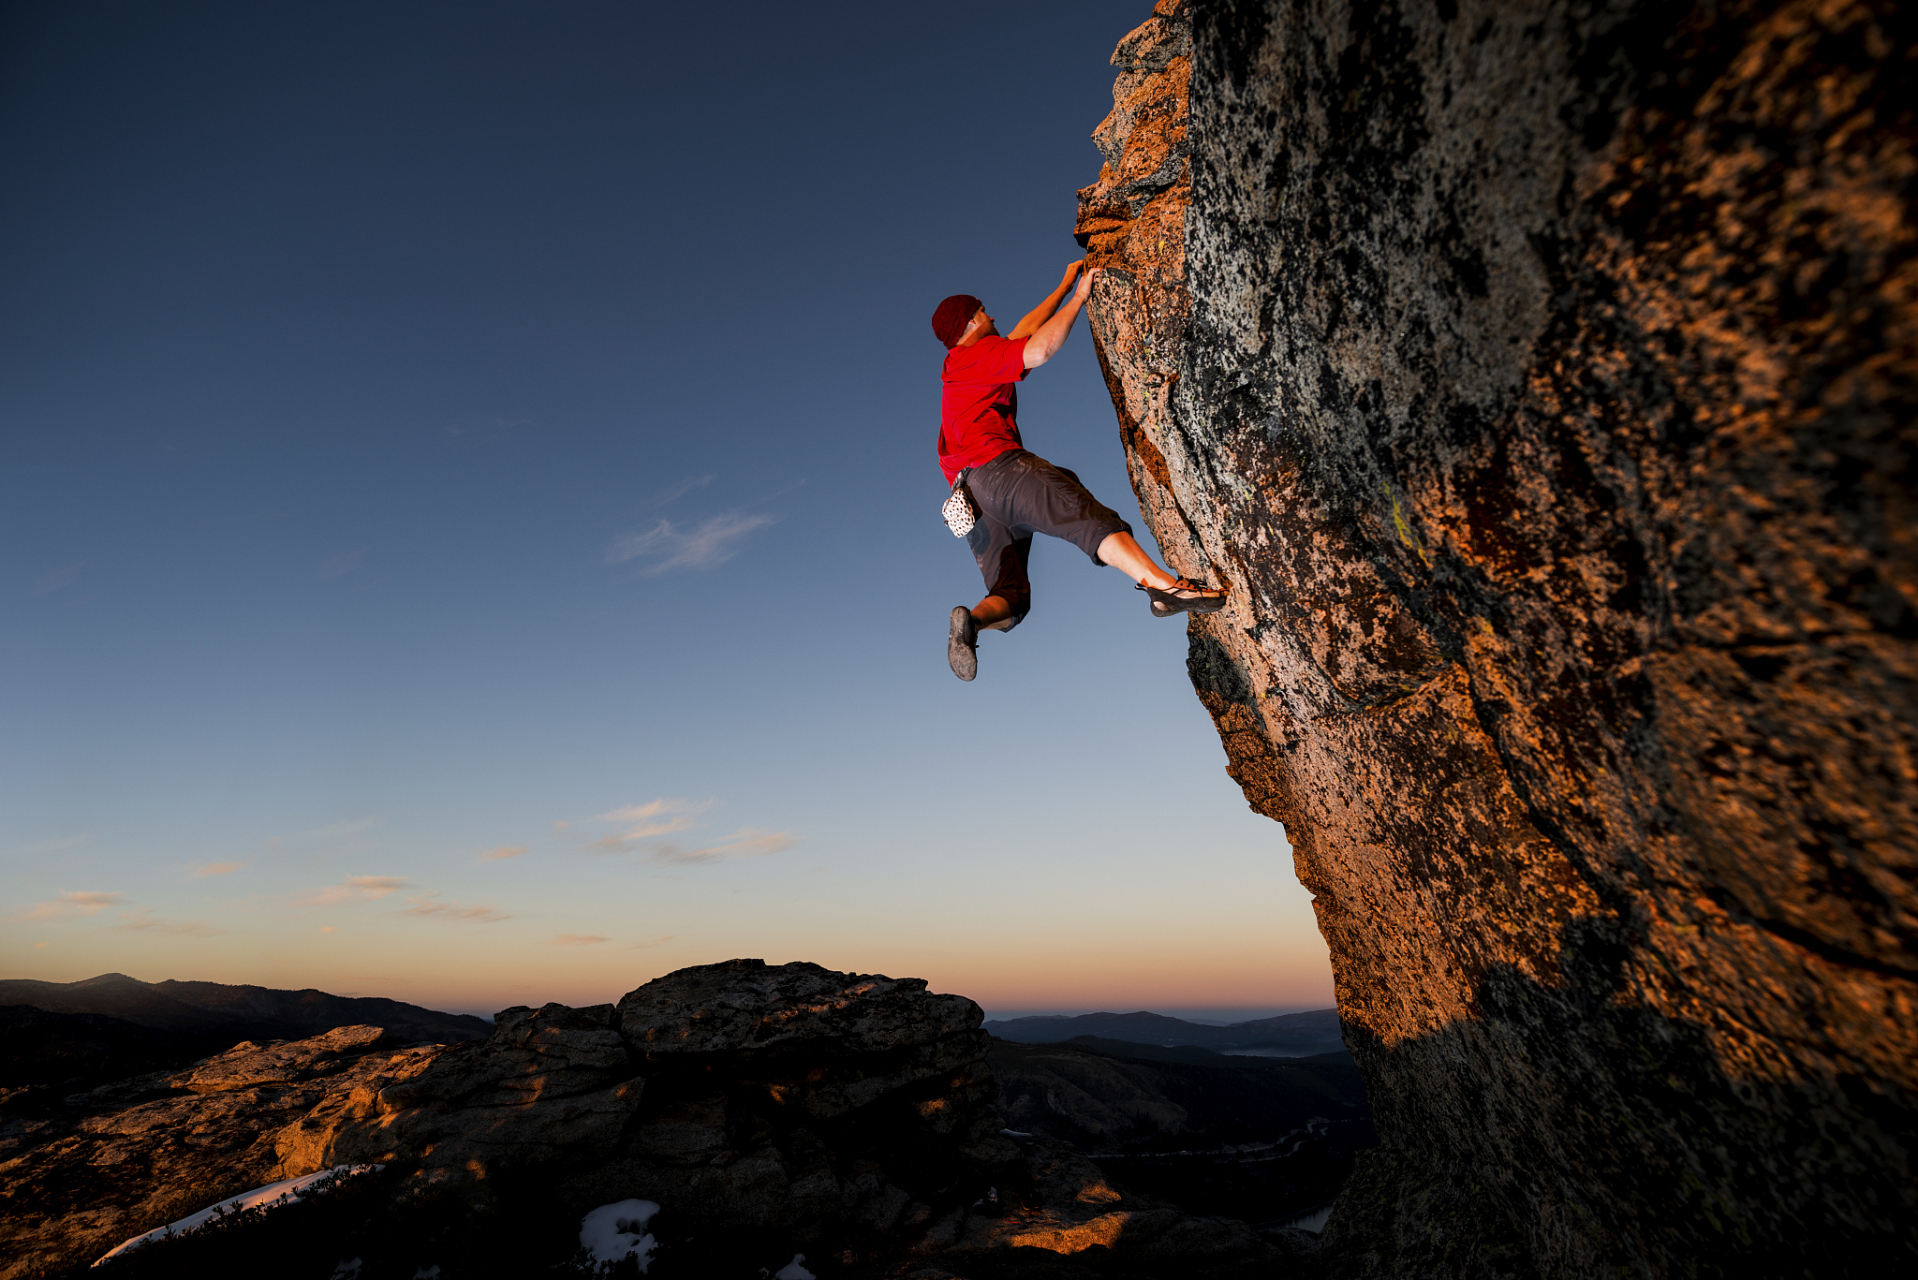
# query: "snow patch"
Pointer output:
{"type": "Point", "coordinates": [271, 1196]}
{"type": "Point", "coordinates": [615, 1232]}
{"type": "Point", "coordinates": [793, 1271]}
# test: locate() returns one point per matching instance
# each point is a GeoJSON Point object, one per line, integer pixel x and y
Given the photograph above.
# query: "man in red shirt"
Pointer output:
{"type": "Point", "coordinates": [1018, 493]}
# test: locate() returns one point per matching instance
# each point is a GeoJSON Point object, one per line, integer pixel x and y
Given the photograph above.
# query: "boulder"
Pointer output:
{"type": "Point", "coordinates": [550, 1084]}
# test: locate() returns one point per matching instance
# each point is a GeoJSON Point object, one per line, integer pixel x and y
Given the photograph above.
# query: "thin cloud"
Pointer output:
{"type": "Point", "coordinates": [342, 563]}
{"type": "Point", "coordinates": [56, 579]}
{"type": "Point", "coordinates": [676, 492]}
{"type": "Point", "coordinates": [578, 939]}
{"type": "Point", "coordinates": [747, 842]}
{"type": "Point", "coordinates": [651, 942]}
{"type": "Point", "coordinates": [78, 903]}
{"type": "Point", "coordinates": [713, 542]}
{"type": "Point", "coordinates": [649, 821]}
{"type": "Point", "coordinates": [204, 870]}
{"type": "Point", "coordinates": [503, 852]}
{"type": "Point", "coordinates": [353, 889]}
{"type": "Point", "coordinates": [429, 904]}
{"type": "Point", "coordinates": [142, 918]}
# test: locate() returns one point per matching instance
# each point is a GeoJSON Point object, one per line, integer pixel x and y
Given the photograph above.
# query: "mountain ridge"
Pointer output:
{"type": "Point", "coordinates": [244, 1010]}
{"type": "Point", "coordinates": [1310, 1032]}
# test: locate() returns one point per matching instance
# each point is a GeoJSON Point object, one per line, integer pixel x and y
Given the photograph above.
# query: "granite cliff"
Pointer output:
{"type": "Point", "coordinates": [1539, 377]}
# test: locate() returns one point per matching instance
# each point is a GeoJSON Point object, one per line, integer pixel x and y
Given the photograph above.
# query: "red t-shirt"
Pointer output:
{"type": "Point", "coordinates": [978, 409]}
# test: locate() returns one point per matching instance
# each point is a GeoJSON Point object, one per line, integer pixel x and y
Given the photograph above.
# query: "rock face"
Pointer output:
{"type": "Point", "coordinates": [789, 1107]}
{"type": "Point", "coordinates": [1540, 378]}
{"type": "Point", "coordinates": [147, 1151]}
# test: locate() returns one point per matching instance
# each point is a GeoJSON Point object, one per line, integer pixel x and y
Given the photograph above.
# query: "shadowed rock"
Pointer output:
{"type": "Point", "coordinates": [781, 1107]}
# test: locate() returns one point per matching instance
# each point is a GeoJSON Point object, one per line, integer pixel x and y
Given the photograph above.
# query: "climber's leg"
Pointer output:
{"type": "Point", "coordinates": [1000, 550]}
{"type": "Point", "coordinates": [994, 613]}
{"type": "Point", "coordinates": [1033, 495]}
{"type": "Point", "coordinates": [1123, 552]}
{"type": "Point", "coordinates": [1169, 595]}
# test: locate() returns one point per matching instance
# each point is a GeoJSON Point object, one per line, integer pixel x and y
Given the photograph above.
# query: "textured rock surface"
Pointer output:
{"type": "Point", "coordinates": [1539, 376]}
{"type": "Point", "coordinates": [762, 1107]}
{"type": "Point", "coordinates": [742, 1097]}
{"type": "Point", "coordinates": [135, 1155]}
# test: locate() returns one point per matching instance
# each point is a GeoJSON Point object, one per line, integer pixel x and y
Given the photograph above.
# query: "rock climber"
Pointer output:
{"type": "Point", "coordinates": [1017, 493]}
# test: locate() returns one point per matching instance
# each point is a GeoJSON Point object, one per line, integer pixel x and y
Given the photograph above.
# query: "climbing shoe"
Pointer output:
{"type": "Point", "coordinates": [962, 643]}
{"type": "Point", "coordinates": [1185, 596]}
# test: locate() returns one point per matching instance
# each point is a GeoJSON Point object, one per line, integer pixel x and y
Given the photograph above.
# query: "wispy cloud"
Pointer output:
{"type": "Point", "coordinates": [55, 579]}
{"type": "Point", "coordinates": [714, 541]}
{"type": "Point", "coordinates": [651, 942]}
{"type": "Point", "coordinates": [353, 889]}
{"type": "Point", "coordinates": [666, 497]}
{"type": "Point", "coordinates": [204, 870]}
{"type": "Point", "coordinates": [502, 852]}
{"type": "Point", "coordinates": [578, 939]}
{"type": "Point", "coordinates": [79, 903]}
{"type": "Point", "coordinates": [342, 563]}
{"type": "Point", "coordinates": [747, 842]}
{"type": "Point", "coordinates": [429, 904]}
{"type": "Point", "coordinates": [142, 918]}
{"type": "Point", "coordinates": [649, 821]}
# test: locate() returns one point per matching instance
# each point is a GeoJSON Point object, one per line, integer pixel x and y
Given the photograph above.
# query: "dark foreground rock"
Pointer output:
{"type": "Point", "coordinates": [58, 1038]}
{"type": "Point", "coordinates": [767, 1110]}
{"type": "Point", "coordinates": [1540, 378]}
{"type": "Point", "coordinates": [1258, 1139]}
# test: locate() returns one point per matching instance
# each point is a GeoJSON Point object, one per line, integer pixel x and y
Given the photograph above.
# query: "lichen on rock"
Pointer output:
{"type": "Point", "coordinates": [1540, 379]}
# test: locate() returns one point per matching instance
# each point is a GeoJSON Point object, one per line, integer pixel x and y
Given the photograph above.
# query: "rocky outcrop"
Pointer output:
{"type": "Point", "coordinates": [132, 1156]}
{"type": "Point", "coordinates": [1540, 379]}
{"type": "Point", "coordinates": [764, 1108]}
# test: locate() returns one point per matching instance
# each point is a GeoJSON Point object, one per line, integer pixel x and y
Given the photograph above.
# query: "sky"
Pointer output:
{"type": "Point", "coordinates": [468, 516]}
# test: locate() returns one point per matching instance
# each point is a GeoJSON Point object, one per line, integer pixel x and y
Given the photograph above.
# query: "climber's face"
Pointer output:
{"type": "Point", "coordinates": [982, 326]}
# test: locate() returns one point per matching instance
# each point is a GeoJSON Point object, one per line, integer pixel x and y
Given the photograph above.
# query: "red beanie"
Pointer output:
{"type": "Point", "coordinates": [954, 314]}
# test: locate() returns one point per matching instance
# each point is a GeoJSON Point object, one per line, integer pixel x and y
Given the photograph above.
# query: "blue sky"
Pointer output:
{"type": "Point", "coordinates": [470, 528]}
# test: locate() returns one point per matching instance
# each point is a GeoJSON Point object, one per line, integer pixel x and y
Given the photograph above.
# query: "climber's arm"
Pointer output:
{"type": "Point", "coordinates": [1050, 336]}
{"type": "Point", "coordinates": [1043, 312]}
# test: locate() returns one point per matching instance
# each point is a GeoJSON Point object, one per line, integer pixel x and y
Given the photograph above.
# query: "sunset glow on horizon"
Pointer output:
{"type": "Point", "coordinates": [462, 546]}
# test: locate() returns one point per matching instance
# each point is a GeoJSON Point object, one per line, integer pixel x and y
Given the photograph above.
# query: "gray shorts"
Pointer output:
{"type": "Point", "coordinates": [1020, 494]}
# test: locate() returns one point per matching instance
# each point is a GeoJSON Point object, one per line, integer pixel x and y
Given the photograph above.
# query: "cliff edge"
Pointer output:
{"type": "Point", "coordinates": [1540, 378]}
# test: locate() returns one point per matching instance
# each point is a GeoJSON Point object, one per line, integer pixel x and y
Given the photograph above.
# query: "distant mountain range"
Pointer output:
{"type": "Point", "coordinates": [1288, 1035]}
{"type": "Point", "coordinates": [115, 1025]}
